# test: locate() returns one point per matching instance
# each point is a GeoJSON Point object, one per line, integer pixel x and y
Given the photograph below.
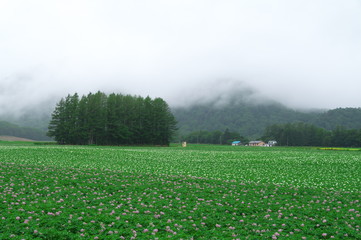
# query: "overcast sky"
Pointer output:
{"type": "Point", "coordinates": [303, 53]}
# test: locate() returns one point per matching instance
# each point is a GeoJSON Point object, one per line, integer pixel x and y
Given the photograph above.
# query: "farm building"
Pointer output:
{"type": "Point", "coordinates": [271, 143]}
{"type": "Point", "coordinates": [256, 143]}
{"type": "Point", "coordinates": [236, 143]}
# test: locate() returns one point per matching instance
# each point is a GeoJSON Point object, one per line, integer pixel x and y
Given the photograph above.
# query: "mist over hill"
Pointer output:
{"type": "Point", "coordinates": [201, 57]}
{"type": "Point", "coordinates": [10, 129]}
{"type": "Point", "coordinates": [247, 119]}
{"type": "Point", "coordinates": [243, 111]}
{"type": "Point", "coordinates": [250, 120]}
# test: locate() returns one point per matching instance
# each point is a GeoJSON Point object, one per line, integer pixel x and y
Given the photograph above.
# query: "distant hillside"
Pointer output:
{"type": "Point", "coordinates": [30, 118]}
{"type": "Point", "coordinates": [349, 118]}
{"type": "Point", "coordinates": [250, 120]}
{"type": "Point", "coordinates": [10, 129]}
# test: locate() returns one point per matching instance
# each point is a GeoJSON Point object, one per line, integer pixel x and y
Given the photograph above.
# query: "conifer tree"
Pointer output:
{"type": "Point", "coordinates": [57, 128]}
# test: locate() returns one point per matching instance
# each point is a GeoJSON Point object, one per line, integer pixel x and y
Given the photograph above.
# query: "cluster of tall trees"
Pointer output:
{"type": "Point", "coordinates": [113, 119]}
{"type": "Point", "coordinates": [213, 137]}
{"type": "Point", "coordinates": [303, 134]}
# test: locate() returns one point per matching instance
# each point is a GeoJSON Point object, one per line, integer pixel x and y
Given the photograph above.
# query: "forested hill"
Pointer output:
{"type": "Point", "coordinates": [10, 129]}
{"type": "Point", "coordinates": [251, 120]}
{"type": "Point", "coordinates": [349, 118]}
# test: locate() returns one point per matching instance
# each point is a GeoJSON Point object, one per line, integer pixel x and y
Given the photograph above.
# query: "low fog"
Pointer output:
{"type": "Point", "coordinates": [305, 54]}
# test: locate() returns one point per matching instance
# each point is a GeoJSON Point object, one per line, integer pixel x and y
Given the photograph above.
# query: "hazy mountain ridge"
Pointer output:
{"type": "Point", "coordinates": [250, 120]}
{"type": "Point", "coordinates": [10, 129]}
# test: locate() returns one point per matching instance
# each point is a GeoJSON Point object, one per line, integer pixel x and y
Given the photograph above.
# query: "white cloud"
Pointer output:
{"type": "Point", "coordinates": [302, 53]}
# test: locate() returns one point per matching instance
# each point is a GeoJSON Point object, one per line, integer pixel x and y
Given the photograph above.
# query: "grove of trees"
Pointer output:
{"type": "Point", "coordinates": [113, 119]}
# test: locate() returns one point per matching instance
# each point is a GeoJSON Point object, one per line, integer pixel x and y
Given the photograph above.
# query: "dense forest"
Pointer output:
{"type": "Point", "coordinates": [113, 119]}
{"type": "Point", "coordinates": [10, 129]}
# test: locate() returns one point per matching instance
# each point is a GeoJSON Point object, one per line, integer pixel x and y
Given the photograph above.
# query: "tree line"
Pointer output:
{"type": "Point", "coordinates": [289, 134]}
{"type": "Point", "coordinates": [303, 134]}
{"type": "Point", "coordinates": [214, 137]}
{"type": "Point", "coordinates": [113, 119]}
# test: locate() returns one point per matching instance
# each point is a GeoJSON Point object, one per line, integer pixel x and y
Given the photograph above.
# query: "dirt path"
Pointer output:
{"type": "Point", "coordinates": [11, 138]}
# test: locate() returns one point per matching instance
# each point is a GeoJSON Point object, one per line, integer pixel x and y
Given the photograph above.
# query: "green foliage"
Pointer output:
{"type": "Point", "coordinates": [200, 192]}
{"type": "Point", "coordinates": [112, 120]}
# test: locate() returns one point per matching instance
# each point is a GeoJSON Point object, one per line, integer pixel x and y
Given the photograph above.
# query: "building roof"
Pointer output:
{"type": "Point", "coordinates": [234, 142]}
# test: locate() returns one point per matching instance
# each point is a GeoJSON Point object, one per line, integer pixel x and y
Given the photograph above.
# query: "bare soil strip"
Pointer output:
{"type": "Point", "coordinates": [12, 138]}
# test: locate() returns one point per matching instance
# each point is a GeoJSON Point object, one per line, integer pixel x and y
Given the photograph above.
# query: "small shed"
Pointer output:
{"type": "Point", "coordinates": [236, 143]}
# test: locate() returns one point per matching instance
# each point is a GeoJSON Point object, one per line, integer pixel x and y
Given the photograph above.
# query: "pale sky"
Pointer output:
{"type": "Point", "coordinates": [302, 53]}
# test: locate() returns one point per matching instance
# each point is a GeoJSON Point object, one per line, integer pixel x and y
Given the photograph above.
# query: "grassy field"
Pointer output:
{"type": "Point", "coordinates": [199, 192]}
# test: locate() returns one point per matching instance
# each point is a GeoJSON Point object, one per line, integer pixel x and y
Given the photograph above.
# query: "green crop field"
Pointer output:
{"type": "Point", "coordinates": [198, 192]}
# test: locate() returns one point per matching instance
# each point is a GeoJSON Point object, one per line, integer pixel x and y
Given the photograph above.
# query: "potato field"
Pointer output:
{"type": "Point", "coordinates": [197, 192]}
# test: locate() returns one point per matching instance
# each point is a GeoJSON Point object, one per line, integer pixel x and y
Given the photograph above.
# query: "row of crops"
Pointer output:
{"type": "Point", "coordinates": [199, 192]}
